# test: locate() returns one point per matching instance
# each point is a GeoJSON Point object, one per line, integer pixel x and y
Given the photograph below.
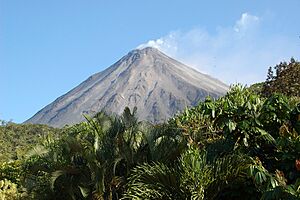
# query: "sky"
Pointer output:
{"type": "Point", "coordinates": [48, 47]}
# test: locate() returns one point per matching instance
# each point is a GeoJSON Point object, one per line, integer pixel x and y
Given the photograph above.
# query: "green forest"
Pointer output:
{"type": "Point", "coordinates": [244, 145]}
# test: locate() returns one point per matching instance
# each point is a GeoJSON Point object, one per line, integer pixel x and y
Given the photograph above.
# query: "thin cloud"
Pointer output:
{"type": "Point", "coordinates": [240, 53]}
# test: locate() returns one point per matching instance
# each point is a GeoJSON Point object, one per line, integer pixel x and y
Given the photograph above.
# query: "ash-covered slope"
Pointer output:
{"type": "Point", "coordinates": [156, 84]}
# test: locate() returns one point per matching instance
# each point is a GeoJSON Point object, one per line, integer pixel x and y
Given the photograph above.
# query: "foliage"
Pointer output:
{"type": "Point", "coordinates": [256, 87]}
{"type": "Point", "coordinates": [8, 190]}
{"type": "Point", "coordinates": [241, 145]}
{"type": "Point", "coordinates": [243, 122]}
{"type": "Point", "coordinates": [17, 139]}
{"type": "Point", "coordinates": [285, 79]}
{"type": "Point", "coordinates": [187, 178]}
{"type": "Point", "coordinates": [95, 156]}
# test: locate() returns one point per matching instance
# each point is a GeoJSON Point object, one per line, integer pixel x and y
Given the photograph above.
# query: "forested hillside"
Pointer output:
{"type": "Point", "coordinates": [17, 139]}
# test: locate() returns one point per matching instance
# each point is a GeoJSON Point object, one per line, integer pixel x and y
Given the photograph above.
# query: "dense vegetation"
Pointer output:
{"type": "Point", "coordinates": [17, 139]}
{"type": "Point", "coordinates": [243, 145]}
{"type": "Point", "coordinates": [284, 78]}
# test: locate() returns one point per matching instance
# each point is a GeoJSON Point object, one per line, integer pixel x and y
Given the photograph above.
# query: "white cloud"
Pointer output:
{"type": "Point", "coordinates": [247, 21]}
{"type": "Point", "coordinates": [240, 53]}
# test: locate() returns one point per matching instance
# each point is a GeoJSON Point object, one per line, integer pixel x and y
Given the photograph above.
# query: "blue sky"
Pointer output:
{"type": "Point", "coordinates": [48, 47]}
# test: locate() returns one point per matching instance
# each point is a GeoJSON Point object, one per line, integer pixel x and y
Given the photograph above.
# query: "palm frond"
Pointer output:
{"type": "Point", "coordinates": [38, 150]}
{"type": "Point", "coordinates": [195, 173]}
{"type": "Point", "coordinates": [156, 181]}
{"type": "Point", "coordinates": [226, 170]}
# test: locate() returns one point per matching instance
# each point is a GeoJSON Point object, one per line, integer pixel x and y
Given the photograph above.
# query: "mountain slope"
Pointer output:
{"type": "Point", "coordinates": [156, 84]}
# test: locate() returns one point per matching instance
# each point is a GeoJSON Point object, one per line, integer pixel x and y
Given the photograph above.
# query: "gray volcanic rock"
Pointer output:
{"type": "Point", "coordinates": [156, 84]}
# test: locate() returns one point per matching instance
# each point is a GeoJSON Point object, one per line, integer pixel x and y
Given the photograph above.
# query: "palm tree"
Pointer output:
{"type": "Point", "coordinates": [194, 177]}
{"type": "Point", "coordinates": [100, 154]}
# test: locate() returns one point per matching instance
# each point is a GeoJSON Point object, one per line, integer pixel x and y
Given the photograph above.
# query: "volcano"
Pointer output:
{"type": "Point", "coordinates": [158, 85]}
